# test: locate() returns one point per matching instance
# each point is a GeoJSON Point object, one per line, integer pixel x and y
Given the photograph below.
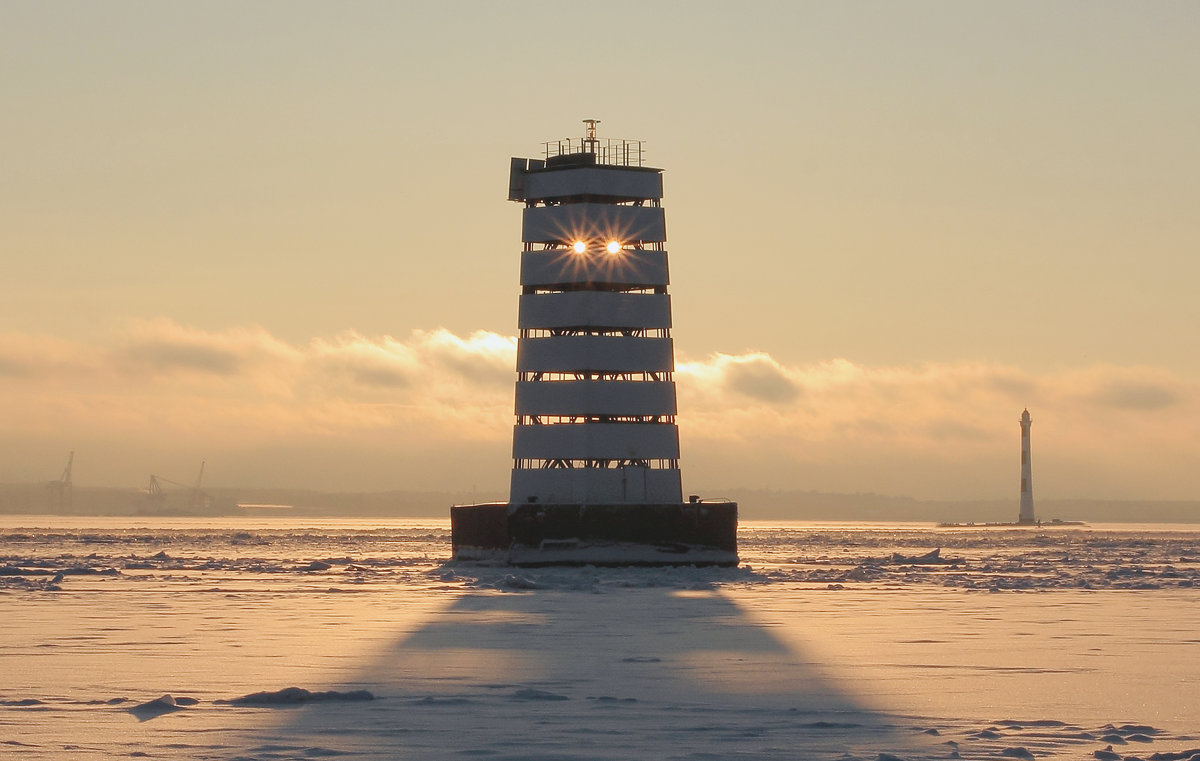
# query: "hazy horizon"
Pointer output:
{"type": "Point", "coordinates": [755, 504]}
{"type": "Point", "coordinates": [274, 238]}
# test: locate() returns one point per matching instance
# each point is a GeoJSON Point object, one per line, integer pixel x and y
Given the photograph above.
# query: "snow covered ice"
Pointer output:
{"type": "Point", "coordinates": [256, 639]}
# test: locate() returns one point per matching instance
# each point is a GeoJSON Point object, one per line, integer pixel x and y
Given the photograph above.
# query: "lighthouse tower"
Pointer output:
{"type": "Point", "coordinates": [595, 474]}
{"type": "Point", "coordinates": [1026, 515]}
{"type": "Point", "coordinates": [595, 397]}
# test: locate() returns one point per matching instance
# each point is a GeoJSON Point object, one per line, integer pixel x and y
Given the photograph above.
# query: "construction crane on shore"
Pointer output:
{"type": "Point", "coordinates": [63, 491]}
{"type": "Point", "coordinates": [154, 491]}
{"type": "Point", "coordinates": [196, 497]}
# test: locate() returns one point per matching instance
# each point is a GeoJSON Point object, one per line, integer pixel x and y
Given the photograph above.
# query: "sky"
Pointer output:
{"type": "Point", "coordinates": [273, 237]}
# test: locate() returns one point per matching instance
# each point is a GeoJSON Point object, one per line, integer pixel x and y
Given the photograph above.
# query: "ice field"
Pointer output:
{"type": "Point", "coordinates": [854, 641]}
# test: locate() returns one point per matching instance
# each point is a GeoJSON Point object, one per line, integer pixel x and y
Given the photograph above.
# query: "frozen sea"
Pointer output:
{"type": "Point", "coordinates": [831, 641]}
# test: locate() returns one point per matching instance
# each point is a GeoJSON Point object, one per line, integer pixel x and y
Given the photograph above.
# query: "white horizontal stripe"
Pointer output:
{"type": "Point", "coordinates": [593, 221]}
{"type": "Point", "coordinates": [597, 486]}
{"type": "Point", "coordinates": [616, 354]}
{"type": "Point", "coordinates": [631, 267]}
{"type": "Point", "coordinates": [602, 309]}
{"type": "Point", "coordinates": [630, 184]}
{"type": "Point", "coordinates": [594, 397]}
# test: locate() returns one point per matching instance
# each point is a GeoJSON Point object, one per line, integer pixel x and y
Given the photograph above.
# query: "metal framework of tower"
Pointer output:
{"type": "Point", "coordinates": [595, 444]}
{"type": "Point", "coordinates": [1026, 515]}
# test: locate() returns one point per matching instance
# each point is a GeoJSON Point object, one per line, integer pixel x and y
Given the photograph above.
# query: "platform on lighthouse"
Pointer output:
{"type": "Point", "coordinates": [537, 534]}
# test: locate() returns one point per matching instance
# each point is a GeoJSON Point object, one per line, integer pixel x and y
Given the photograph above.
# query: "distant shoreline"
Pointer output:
{"type": "Point", "coordinates": [756, 504]}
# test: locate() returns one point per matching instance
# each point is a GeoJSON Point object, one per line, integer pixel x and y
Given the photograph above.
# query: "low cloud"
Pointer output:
{"type": "Point", "coordinates": [930, 429]}
{"type": "Point", "coordinates": [938, 429]}
{"type": "Point", "coordinates": [13, 368]}
{"type": "Point", "coordinates": [1131, 393]}
{"type": "Point", "coordinates": [248, 383]}
{"type": "Point", "coordinates": [162, 356]}
{"type": "Point", "coordinates": [352, 357]}
{"type": "Point", "coordinates": [483, 357]}
{"type": "Point", "coordinates": [756, 376]}
{"type": "Point", "coordinates": [38, 357]}
{"type": "Point", "coordinates": [164, 347]}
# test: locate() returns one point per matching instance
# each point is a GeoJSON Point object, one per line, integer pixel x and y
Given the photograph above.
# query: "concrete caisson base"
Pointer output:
{"type": "Point", "coordinates": [530, 534]}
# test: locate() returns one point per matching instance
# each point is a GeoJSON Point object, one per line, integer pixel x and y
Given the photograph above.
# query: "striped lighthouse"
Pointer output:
{"type": "Point", "coordinates": [595, 474]}
{"type": "Point", "coordinates": [1026, 514]}
{"type": "Point", "coordinates": [595, 397]}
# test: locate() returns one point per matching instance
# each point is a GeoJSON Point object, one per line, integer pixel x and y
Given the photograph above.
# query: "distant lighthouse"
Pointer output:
{"type": "Point", "coordinates": [1026, 516]}
{"type": "Point", "coordinates": [595, 476]}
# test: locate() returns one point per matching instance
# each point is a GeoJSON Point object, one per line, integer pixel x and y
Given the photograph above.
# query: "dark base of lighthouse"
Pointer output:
{"type": "Point", "coordinates": [536, 534]}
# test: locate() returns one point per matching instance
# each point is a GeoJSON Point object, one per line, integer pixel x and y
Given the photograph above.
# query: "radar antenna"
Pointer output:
{"type": "Point", "coordinates": [589, 135]}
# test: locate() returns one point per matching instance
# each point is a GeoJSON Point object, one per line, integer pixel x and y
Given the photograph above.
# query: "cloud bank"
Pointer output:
{"type": "Point", "coordinates": [376, 412]}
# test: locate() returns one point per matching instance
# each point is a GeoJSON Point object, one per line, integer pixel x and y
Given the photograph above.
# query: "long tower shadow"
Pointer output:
{"type": "Point", "coordinates": [621, 674]}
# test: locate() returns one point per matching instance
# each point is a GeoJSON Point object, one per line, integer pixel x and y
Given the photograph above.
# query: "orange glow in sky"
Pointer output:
{"type": "Point", "coordinates": [274, 237]}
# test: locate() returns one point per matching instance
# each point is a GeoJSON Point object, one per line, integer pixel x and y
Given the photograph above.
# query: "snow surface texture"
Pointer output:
{"type": "Point", "coordinates": [254, 640]}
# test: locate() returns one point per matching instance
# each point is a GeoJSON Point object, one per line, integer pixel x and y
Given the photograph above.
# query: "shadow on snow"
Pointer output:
{"type": "Point", "coordinates": [620, 673]}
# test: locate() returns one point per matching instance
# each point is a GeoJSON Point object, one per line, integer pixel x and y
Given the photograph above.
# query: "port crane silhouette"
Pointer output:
{"type": "Point", "coordinates": [197, 498]}
{"type": "Point", "coordinates": [61, 487]}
